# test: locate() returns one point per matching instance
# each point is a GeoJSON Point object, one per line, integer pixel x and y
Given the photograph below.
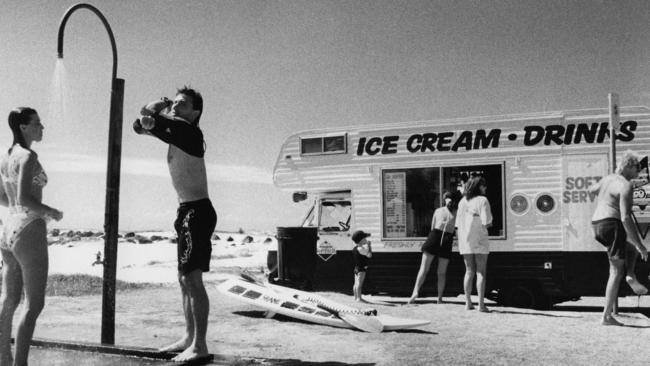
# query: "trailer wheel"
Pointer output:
{"type": "Point", "coordinates": [524, 295]}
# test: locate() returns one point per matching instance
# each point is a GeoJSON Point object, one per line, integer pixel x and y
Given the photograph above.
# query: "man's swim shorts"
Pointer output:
{"type": "Point", "coordinates": [195, 223]}
{"type": "Point", "coordinates": [610, 232]}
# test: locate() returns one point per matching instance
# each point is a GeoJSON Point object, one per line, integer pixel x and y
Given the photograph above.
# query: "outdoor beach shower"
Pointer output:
{"type": "Point", "coordinates": [111, 211]}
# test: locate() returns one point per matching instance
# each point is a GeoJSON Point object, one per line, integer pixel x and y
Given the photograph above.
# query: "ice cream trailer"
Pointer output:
{"type": "Point", "coordinates": [387, 179]}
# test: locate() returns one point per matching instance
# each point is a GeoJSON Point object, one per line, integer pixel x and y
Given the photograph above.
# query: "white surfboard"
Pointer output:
{"type": "Point", "coordinates": [286, 301]}
{"type": "Point", "coordinates": [390, 322]}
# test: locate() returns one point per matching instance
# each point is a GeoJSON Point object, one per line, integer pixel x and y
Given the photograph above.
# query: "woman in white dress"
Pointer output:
{"type": "Point", "coordinates": [473, 219]}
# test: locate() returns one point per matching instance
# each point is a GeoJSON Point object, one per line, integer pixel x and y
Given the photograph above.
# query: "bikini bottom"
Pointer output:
{"type": "Point", "coordinates": [14, 224]}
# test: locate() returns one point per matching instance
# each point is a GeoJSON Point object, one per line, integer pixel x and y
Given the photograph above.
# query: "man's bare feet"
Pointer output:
{"type": "Point", "coordinates": [440, 301]}
{"type": "Point", "coordinates": [610, 320]}
{"type": "Point", "coordinates": [469, 307]}
{"type": "Point", "coordinates": [362, 300]}
{"type": "Point", "coordinates": [192, 353]}
{"type": "Point", "coordinates": [484, 309]}
{"type": "Point", "coordinates": [636, 286]}
{"type": "Point", "coordinates": [411, 300]}
{"type": "Point", "coordinates": [177, 346]}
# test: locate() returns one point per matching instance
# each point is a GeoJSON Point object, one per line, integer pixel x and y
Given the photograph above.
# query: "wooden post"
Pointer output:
{"type": "Point", "coordinates": [112, 209]}
{"type": "Point", "coordinates": [613, 126]}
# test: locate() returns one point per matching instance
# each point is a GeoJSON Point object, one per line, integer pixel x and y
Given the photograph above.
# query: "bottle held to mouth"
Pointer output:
{"type": "Point", "coordinates": [161, 105]}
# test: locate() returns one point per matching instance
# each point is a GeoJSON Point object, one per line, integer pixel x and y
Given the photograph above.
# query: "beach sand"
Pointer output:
{"type": "Point", "coordinates": [507, 336]}
{"type": "Point", "coordinates": [569, 334]}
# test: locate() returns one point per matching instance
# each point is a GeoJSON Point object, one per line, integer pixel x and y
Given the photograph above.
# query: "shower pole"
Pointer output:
{"type": "Point", "coordinates": [111, 209]}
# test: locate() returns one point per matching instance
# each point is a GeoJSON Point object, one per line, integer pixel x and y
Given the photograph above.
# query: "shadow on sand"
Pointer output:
{"type": "Point", "coordinates": [495, 308]}
{"type": "Point", "coordinates": [304, 363]}
{"type": "Point", "coordinates": [53, 353]}
{"type": "Point", "coordinates": [499, 311]}
{"type": "Point", "coordinates": [424, 302]}
{"type": "Point", "coordinates": [635, 326]}
{"type": "Point", "coordinates": [279, 317]}
{"type": "Point", "coordinates": [411, 331]}
{"type": "Point", "coordinates": [261, 314]}
{"type": "Point", "coordinates": [597, 309]}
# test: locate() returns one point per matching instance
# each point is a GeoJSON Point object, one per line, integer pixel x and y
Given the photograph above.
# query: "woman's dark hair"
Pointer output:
{"type": "Point", "coordinates": [473, 187]}
{"type": "Point", "coordinates": [17, 117]}
{"type": "Point", "coordinates": [454, 199]}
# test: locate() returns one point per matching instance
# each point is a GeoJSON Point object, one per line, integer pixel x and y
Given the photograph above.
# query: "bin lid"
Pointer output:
{"type": "Point", "coordinates": [296, 232]}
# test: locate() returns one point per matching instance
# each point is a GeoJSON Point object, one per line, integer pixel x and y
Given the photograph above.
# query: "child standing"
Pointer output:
{"type": "Point", "coordinates": [360, 254]}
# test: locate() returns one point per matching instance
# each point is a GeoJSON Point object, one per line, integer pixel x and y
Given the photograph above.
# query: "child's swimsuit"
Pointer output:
{"type": "Point", "coordinates": [19, 216]}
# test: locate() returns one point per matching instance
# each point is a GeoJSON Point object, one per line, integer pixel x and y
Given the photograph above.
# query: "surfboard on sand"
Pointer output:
{"type": "Point", "coordinates": [289, 302]}
{"type": "Point", "coordinates": [358, 319]}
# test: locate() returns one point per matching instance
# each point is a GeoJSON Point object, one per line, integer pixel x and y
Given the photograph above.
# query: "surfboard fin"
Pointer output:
{"type": "Point", "coordinates": [366, 323]}
{"type": "Point", "coordinates": [246, 275]}
{"type": "Point", "coordinates": [359, 320]}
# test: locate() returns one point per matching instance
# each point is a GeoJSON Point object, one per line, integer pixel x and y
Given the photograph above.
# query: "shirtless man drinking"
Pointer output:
{"type": "Point", "coordinates": [613, 227]}
{"type": "Point", "coordinates": [196, 218]}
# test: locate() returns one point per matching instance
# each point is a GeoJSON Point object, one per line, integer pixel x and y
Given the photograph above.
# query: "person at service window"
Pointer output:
{"type": "Point", "coordinates": [473, 219]}
{"type": "Point", "coordinates": [438, 244]}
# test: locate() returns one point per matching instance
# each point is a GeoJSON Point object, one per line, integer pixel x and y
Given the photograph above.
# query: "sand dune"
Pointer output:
{"type": "Point", "coordinates": [156, 262]}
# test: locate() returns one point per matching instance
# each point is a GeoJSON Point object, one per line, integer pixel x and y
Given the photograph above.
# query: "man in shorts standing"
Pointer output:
{"type": "Point", "coordinates": [196, 218]}
{"type": "Point", "coordinates": [614, 228]}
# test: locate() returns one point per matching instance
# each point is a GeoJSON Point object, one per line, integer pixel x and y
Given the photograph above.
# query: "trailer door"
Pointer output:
{"type": "Point", "coordinates": [334, 221]}
{"type": "Point", "coordinates": [579, 173]}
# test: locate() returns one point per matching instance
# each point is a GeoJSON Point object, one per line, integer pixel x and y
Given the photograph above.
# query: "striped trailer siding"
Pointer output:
{"type": "Point", "coordinates": [366, 208]}
{"type": "Point", "coordinates": [532, 176]}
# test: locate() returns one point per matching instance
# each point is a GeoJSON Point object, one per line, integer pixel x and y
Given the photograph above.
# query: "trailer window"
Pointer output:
{"type": "Point", "coordinates": [456, 176]}
{"type": "Point", "coordinates": [311, 146]}
{"type": "Point", "coordinates": [323, 145]}
{"type": "Point", "coordinates": [335, 215]}
{"type": "Point", "coordinates": [409, 197]}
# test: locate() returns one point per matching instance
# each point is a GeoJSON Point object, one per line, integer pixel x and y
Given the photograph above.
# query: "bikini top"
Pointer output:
{"type": "Point", "coordinates": [40, 178]}
{"type": "Point", "coordinates": [9, 172]}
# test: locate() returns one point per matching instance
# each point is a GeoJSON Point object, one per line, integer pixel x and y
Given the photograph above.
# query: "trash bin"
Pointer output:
{"type": "Point", "coordinates": [297, 256]}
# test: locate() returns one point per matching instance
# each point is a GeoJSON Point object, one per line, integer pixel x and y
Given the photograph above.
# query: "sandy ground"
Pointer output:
{"type": "Point", "coordinates": [40, 356]}
{"type": "Point", "coordinates": [567, 335]}
{"type": "Point", "coordinates": [507, 336]}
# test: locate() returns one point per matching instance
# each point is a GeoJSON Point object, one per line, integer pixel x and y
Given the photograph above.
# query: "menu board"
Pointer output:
{"type": "Point", "coordinates": [394, 204]}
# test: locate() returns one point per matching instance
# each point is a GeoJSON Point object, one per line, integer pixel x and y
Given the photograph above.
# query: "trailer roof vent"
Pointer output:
{"type": "Point", "coordinates": [519, 204]}
{"type": "Point", "coordinates": [545, 203]}
{"type": "Point", "coordinates": [324, 145]}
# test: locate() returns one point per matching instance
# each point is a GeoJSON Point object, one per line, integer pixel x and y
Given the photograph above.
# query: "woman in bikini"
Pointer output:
{"type": "Point", "coordinates": [23, 241]}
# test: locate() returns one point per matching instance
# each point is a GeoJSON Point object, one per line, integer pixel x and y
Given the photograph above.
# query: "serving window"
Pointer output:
{"type": "Point", "coordinates": [409, 197]}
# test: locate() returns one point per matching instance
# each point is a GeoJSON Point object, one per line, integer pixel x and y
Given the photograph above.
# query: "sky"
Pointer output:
{"type": "Point", "coordinates": [267, 69]}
